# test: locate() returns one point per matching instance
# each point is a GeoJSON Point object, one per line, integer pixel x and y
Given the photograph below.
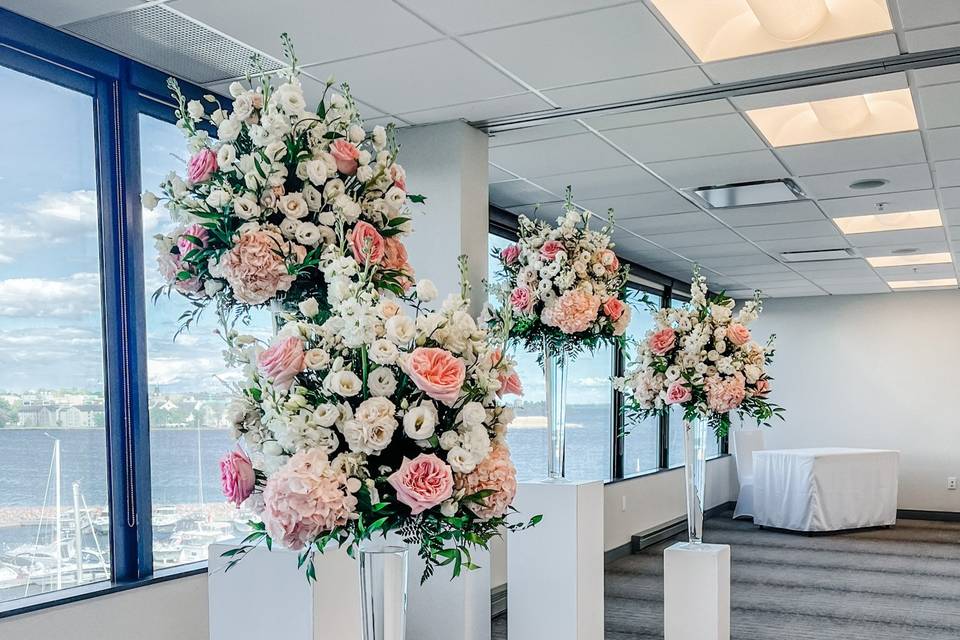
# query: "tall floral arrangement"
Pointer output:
{"type": "Point", "coordinates": [563, 284]}
{"type": "Point", "coordinates": [703, 358]}
{"type": "Point", "coordinates": [383, 416]}
{"type": "Point", "coordinates": [267, 185]}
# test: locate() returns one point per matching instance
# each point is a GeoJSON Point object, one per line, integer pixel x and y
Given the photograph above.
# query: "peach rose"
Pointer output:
{"type": "Point", "coordinates": [510, 254]}
{"type": "Point", "coordinates": [614, 308]}
{"type": "Point", "coordinates": [576, 311]}
{"type": "Point", "coordinates": [366, 244]}
{"type": "Point", "coordinates": [395, 256]}
{"type": "Point", "coordinates": [495, 472]}
{"type": "Point", "coordinates": [522, 299]}
{"type": "Point", "coordinates": [422, 483]}
{"type": "Point", "coordinates": [237, 478]}
{"type": "Point", "coordinates": [254, 267]}
{"type": "Point", "coordinates": [346, 156]}
{"type": "Point", "coordinates": [550, 249]}
{"type": "Point", "coordinates": [662, 341]}
{"type": "Point", "coordinates": [609, 260]}
{"type": "Point", "coordinates": [281, 362]}
{"type": "Point", "coordinates": [762, 387]}
{"type": "Point", "coordinates": [678, 392]}
{"type": "Point", "coordinates": [738, 334]}
{"type": "Point", "coordinates": [510, 383]}
{"type": "Point", "coordinates": [436, 372]}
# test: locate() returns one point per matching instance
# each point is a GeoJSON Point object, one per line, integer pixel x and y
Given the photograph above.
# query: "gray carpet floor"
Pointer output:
{"type": "Point", "coordinates": [901, 583]}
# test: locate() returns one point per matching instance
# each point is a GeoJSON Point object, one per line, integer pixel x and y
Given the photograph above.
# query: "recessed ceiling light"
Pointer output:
{"type": "Point", "coordinates": [722, 29]}
{"type": "Point", "coordinates": [923, 284]}
{"type": "Point", "coordinates": [869, 183]}
{"type": "Point", "coordinates": [889, 221]}
{"type": "Point", "coordinates": [869, 114]}
{"type": "Point", "coordinates": [747, 193]}
{"type": "Point", "coordinates": [904, 251]}
{"type": "Point", "coordinates": [905, 261]}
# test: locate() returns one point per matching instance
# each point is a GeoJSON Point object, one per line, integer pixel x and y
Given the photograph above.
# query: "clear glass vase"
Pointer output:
{"type": "Point", "coordinates": [555, 373]}
{"type": "Point", "coordinates": [383, 591]}
{"type": "Point", "coordinates": [695, 469]}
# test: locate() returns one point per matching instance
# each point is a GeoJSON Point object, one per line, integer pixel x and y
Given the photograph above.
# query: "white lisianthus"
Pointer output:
{"type": "Point", "coordinates": [343, 383]}
{"type": "Point", "coordinates": [364, 173]}
{"type": "Point", "coordinates": [395, 197]}
{"type": "Point", "coordinates": [316, 171]}
{"type": "Point", "coordinates": [449, 508]}
{"type": "Point", "coordinates": [333, 189]}
{"type": "Point", "coordinates": [460, 460]}
{"type": "Point", "coordinates": [246, 208]}
{"type": "Point", "coordinates": [382, 382]}
{"type": "Point", "coordinates": [383, 352]}
{"type": "Point", "coordinates": [149, 200]}
{"type": "Point", "coordinates": [236, 89]}
{"type": "Point", "coordinates": [449, 440]}
{"type": "Point", "coordinates": [226, 156]}
{"type": "Point", "coordinates": [309, 307]}
{"type": "Point", "coordinates": [473, 414]}
{"type": "Point", "coordinates": [420, 422]}
{"type": "Point", "coordinates": [401, 330]}
{"type": "Point", "coordinates": [229, 129]}
{"type": "Point", "coordinates": [308, 234]}
{"type": "Point", "coordinates": [288, 227]}
{"type": "Point", "coordinates": [315, 359]}
{"type": "Point", "coordinates": [293, 205]}
{"type": "Point", "coordinates": [218, 116]}
{"type": "Point", "coordinates": [195, 109]}
{"type": "Point", "coordinates": [426, 290]}
{"type": "Point", "coordinates": [212, 287]}
{"type": "Point", "coordinates": [218, 198]}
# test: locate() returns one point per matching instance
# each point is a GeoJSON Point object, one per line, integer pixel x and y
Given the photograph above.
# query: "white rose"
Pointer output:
{"type": "Point", "coordinates": [226, 156]}
{"type": "Point", "coordinates": [383, 352]}
{"type": "Point", "coordinates": [449, 440]}
{"type": "Point", "coordinates": [229, 129]}
{"type": "Point", "coordinates": [401, 330]}
{"type": "Point", "coordinates": [426, 290]}
{"type": "Point", "coordinates": [316, 171]}
{"type": "Point", "coordinates": [326, 414]}
{"type": "Point", "coordinates": [356, 133]}
{"type": "Point", "coordinates": [420, 422]}
{"type": "Point", "coordinates": [343, 383]}
{"type": "Point", "coordinates": [293, 205]}
{"type": "Point", "coordinates": [309, 307]}
{"type": "Point", "coordinates": [315, 359]}
{"type": "Point", "coordinates": [460, 460]}
{"type": "Point", "coordinates": [473, 414]}
{"type": "Point", "coordinates": [149, 200]}
{"type": "Point", "coordinates": [382, 382]}
{"type": "Point", "coordinates": [195, 109]}
{"type": "Point", "coordinates": [246, 208]}
{"type": "Point", "coordinates": [218, 198]}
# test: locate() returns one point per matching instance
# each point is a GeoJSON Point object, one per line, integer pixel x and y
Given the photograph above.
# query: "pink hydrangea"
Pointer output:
{"type": "Point", "coordinates": [575, 311]}
{"type": "Point", "coordinates": [725, 394]}
{"type": "Point", "coordinates": [255, 269]}
{"type": "Point", "coordinates": [237, 478]}
{"type": "Point", "coordinates": [305, 498]}
{"type": "Point", "coordinates": [495, 472]}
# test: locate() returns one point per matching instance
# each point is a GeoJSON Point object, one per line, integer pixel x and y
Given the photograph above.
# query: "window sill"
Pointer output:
{"type": "Point", "coordinates": [51, 599]}
{"type": "Point", "coordinates": [655, 472]}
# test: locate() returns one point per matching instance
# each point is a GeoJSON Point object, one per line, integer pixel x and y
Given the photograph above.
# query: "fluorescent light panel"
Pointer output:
{"type": "Point", "coordinates": [723, 29]}
{"type": "Point", "coordinates": [923, 284]}
{"type": "Point", "coordinates": [870, 114]}
{"type": "Point", "coordinates": [889, 221]}
{"type": "Point", "coordinates": [906, 261]}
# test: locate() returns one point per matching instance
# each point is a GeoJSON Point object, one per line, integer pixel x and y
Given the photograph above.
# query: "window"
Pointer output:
{"type": "Point", "coordinates": [54, 529]}
{"type": "Point", "coordinates": [641, 444]}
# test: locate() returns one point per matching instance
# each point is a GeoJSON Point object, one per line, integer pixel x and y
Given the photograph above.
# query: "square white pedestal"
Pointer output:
{"type": "Point", "coordinates": [555, 570]}
{"type": "Point", "coordinates": [696, 592]}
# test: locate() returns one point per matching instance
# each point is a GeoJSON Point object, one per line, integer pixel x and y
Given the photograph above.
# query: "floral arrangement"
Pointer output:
{"type": "Point", "coordinates": [563, 284]}
{"type": "Point", "coordinates": [702, 357]}
{"type": "Point", "coordinates": [263, 197]}
{"type": "Point", "coordinates": [381, 416]}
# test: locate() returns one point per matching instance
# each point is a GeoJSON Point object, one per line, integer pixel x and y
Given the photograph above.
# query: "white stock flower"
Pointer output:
{"type": "Point", "coordinates": [382, 382]}
{"type": "Point", "coordinates": [379, 137]}
{"type": "Point", "coordinates": [356, 133]}
{"type": "Point", "coordinates": [343, 383]}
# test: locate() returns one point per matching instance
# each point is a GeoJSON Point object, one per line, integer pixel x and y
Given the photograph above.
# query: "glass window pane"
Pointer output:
{"type": "Point", "coordinates": [641, 444]}
{"type": "Point", "coordinates": [188, 395]}
{"type": "Point", "coordinates": [54, 526]}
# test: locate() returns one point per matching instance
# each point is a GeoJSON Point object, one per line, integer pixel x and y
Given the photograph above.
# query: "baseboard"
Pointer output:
{"type": "Point", "coordinates": [498, 601]}
{"type": "Point", "coordinates": [652, 536]}
{"type": "Point", "coordinates": [617, 552]}
{"type": "Point", "coordinates": [920, 514]}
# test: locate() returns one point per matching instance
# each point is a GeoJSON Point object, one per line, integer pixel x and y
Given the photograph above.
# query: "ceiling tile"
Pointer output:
{"type": "Point", "coordinates": [803, 59]}
{"type": "Point", "coordinates": [517, 192]}
{"type": "Point", "coordinates": [687, 139]}
{"type": "Point", "coordinates": [893, 203]}
{"type": "Point", "coordinates": [754, 262]}
{"type": "Point", "coordinates": [936, 75]}
{"type": "Point", "coordinates": [720, 170]}
{"type": "Point", "coordinates": [261, 29]}
{"type": "Point", "coordinates": [837, 185]}
{"type": "Point", "coordinates": [632, 88]}
{"type": "Point", "coordinates": [858, 153]}
{"type": "Point", "coordinates": [660, 114]}
{"type": "Point", "coordinates": [948, 173]}
{"type": "Point", "coordinates": [856, 288]}
{"type": "Point", "coordinates": [944, 144]}
{"type": "Point", "coordinates": [548, 211]}
{"type": "Point", "coordinates": [639, 205]}
{"type": "Point", "coordinates": [710, 237]}
{"type": "Point", "coordinates": [954, 232]}
{"type": "Point", "coordinates": [724, 250]}
{"type": "Point", "coordinates": [951, 197]}
{"type": "Point", "coordinates": [536, 132]}
{"type": "Point", "coordinates": [826, 91]}
{"type": "Point", "coordinates": [933, 38]}
{"type": "Point", "coordinates": [556, 155]}
{"type": "Point", "coordinates": [603, 183]}
{"type": "Point", "coordinates": [466, 16]}
{"type": "Point", "coordinates": [905, 238]}
{"type": "Point", "coordinates": [926, 13]}
{"type": "Point", "coordinates": [446, 74]}
{"type": "Point", "coordinates": [632, 42]}
{"type": "Point", "coordinates": [951, 217]}
{"type": "Point", "coordinates": [802, 244]}
{"type": "Point", "coordinates": [811, 229]}
{"type": "Point", "coordinates": [748, 270]}
{"type": "Point", "coordinates": [799, 291]}
{"type": "Point", "coordinates": [770, 214]}
{"type": "Point", "coordinates": [61, 12]}
{"type": "Point", "coordinates": [651, 225]}
{"type": "Point", "coordinates": [939, 104]}
{"type": "Point", "coordinates": [938, 245]}
{"type": "Point", "coordinates": [918, 272]}
{"type": "Point", "coordinates": [482, 110]}
{"type": "Point", "coordinates": [834, 268]}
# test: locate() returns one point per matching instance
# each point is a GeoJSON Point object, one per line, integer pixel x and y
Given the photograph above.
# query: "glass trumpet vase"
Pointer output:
{"type": "Point", "coordinates": [555, 372]}
{"type": "Point", "coordinates": [383, 591]}
{"type": "Point", "coordinates": [695, 468]}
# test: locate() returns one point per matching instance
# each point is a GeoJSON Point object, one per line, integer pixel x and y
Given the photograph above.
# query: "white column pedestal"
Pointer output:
{"type": "Point", "coordinates": [555, 570]}
{"type": "Point", "coordinates": [696, 592]}
{"type": "Point", "coordinates": [444, 609]}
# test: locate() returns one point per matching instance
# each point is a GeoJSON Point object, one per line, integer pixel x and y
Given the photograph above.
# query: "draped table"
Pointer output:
{"type": "Point", "coordinates": [825, 489]}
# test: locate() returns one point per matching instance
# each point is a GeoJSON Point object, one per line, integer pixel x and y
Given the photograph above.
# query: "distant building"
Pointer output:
{"type": "Point", "coordinates": [67, 416]}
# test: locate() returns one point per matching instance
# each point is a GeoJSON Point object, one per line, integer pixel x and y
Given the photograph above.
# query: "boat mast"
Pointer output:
{"type": "Point", "coordinates": [78, 532]}
{"type": "Point", "coordinates": [58, 527]}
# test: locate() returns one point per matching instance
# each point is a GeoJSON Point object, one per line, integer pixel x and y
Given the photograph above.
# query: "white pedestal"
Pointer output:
{"type": "Point", "coordinates": [328, 609]}
{"type": "Point", "coordinates": [445, 609]}
{"type": "Point", "coordinates": [696, 592]}
{"type": "Point", "coordinates": [555, 570]}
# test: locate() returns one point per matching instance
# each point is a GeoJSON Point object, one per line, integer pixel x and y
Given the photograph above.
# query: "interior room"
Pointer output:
{"type": "Point", "coordinates": [449, 320]}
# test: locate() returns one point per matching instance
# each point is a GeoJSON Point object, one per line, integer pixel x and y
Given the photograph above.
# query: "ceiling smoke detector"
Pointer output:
{"type": "Point", "coordinates": [820, 255]}
{"type": "Point", "coordinates": [744, 194]}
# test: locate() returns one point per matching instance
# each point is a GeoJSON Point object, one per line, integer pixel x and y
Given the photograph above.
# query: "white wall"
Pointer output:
{"type": "Point", "coordinates": [873, 371]}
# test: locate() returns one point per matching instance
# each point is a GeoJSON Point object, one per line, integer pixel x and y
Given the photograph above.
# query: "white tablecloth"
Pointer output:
{"type": "Point", "coordinates": [825, 489]}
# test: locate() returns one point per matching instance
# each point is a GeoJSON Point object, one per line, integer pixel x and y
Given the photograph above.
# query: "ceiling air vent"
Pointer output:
{"type": "Point", "coordinates": [821, 255]}
{"type": "Point", "coordinates": [167, 39]}
{"type": "Point", "coordinates": [747, 193]}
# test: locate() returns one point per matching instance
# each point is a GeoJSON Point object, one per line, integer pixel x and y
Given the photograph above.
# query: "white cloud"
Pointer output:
{"type": "Point", "coordinates": [77, 294]}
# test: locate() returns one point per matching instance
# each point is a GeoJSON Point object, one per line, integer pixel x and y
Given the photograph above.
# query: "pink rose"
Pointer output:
{"type": "Point", "coordinates": [399, 177]}
{"type": "Point", "coordinates": [662, 341]}
{"type": "Point", "coordinates": [281, 362]}
{"type": "Point", "coordinates": [725, 394]}
{"type": "Point", "coordinates": [762, 387]}
{"type": "Point", "coordinates": [422, 483]}
{"type": "Point", "coordinates": [186, 245]}
{"type": "Point", "coordinates": [575, 311]}
{"type": "Point", "coordinates": [678, 392]}
{"type": "Point", "coordinates": [237, 478]}
{"type": "Point", "coordinates": [550, 249]}
{"type": "Point", "coordinates": [201, 165]}
{"type": "Point", "coordinates": [509, 254]}
{"type": "Point", "coordinates": [255, 268]}
{"type": "Point", "coordinates": [614, 308]}
{"type": "Point", "coordinates": [366, 243]}
{"type": "Point", "coordinates": [522, 299]}
{"type": "Point", "coordinates": [497, 473]}
{"type": "Point", "coordinates": [306, 498]}
{"type": "Point", "coordinates": [738, 334]}
{"type": "Point", "coordinates": [436, 372]}
{"type": "Point", "coordinates": [346, 155]}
